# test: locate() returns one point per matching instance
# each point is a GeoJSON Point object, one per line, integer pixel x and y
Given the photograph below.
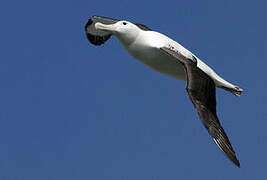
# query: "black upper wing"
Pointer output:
{"type": "Point", "coordinates": [98, 37]}
{"type": "Point", "coordinates": [202, 92]}
{"type": "Point", "coordinates": [143, 27]}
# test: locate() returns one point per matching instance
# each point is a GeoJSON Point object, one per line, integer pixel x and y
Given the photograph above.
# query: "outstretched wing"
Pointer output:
{"type": "Point", "coordinates": [202, 92]}
{"type": "Point", "coordinates": [98, 37]}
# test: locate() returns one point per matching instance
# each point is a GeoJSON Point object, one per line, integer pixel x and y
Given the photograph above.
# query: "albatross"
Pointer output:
{"type": "Point", "coordinates": [168, 57]}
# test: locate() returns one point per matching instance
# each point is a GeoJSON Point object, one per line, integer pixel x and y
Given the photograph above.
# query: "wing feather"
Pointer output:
{"type": "Point", "coordinates": [202, 92]}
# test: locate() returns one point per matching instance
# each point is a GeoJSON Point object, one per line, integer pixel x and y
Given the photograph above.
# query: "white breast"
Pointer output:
{"type": "Point", "coordinates": [146, 49]}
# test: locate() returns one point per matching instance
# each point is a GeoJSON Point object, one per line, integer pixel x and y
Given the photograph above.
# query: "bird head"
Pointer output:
{"type": "Point", "coordinates": [125, 31]}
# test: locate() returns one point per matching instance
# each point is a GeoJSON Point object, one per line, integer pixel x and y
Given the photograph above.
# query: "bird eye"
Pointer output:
{"type": "Point", "coordinates": [124, 23]}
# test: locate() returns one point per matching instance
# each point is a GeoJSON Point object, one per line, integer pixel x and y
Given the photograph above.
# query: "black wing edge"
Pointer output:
{"type": "Point", "coordinates": [143, 27]}
{"type": "Point", "coordinates": [202, 92]}
{"type": "Point", "coordinates": [212, 124]}
{"type": "Point", "coordinates": [104, 17]}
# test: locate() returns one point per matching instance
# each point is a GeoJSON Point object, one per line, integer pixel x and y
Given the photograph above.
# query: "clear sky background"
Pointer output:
{"type": "Point", "coordinates": [70, 110]}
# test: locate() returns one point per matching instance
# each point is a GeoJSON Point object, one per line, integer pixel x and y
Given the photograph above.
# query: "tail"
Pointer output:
{"type": "Point", "coordinates": [235, 90]}
{"type": "Point", "coordinates": [220, 82]}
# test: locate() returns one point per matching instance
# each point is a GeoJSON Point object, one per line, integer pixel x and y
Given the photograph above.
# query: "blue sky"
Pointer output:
{"type": "Point", "coordinates": [70, 110]}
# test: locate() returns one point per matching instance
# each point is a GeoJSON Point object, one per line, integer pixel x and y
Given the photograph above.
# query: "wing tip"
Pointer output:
{"type": "Point", "coordinates": [228, 152]}
{"type": "Point", "coordinates": [234, 159]}
{"type": "Point", "coordinates": [237, 163]}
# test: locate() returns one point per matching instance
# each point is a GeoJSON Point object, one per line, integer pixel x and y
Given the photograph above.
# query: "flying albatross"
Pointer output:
{"type": "Point", "coordinates": [168, 57]}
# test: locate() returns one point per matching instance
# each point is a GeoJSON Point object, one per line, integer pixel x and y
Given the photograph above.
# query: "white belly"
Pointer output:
{"type": "Point", "coordinates": [158, 60]}
{"type": "Point", "coordinates": [146, 48]}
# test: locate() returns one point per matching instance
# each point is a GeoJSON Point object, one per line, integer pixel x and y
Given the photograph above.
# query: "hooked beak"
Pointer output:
{"type": "Point", "coordinates": [105, 27]}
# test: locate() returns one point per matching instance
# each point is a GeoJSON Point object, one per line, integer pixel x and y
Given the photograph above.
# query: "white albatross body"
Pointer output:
{"type": "Point", "coordinates": [168, 57]}
{"type": "Point", "coordinates": [146, 47]}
